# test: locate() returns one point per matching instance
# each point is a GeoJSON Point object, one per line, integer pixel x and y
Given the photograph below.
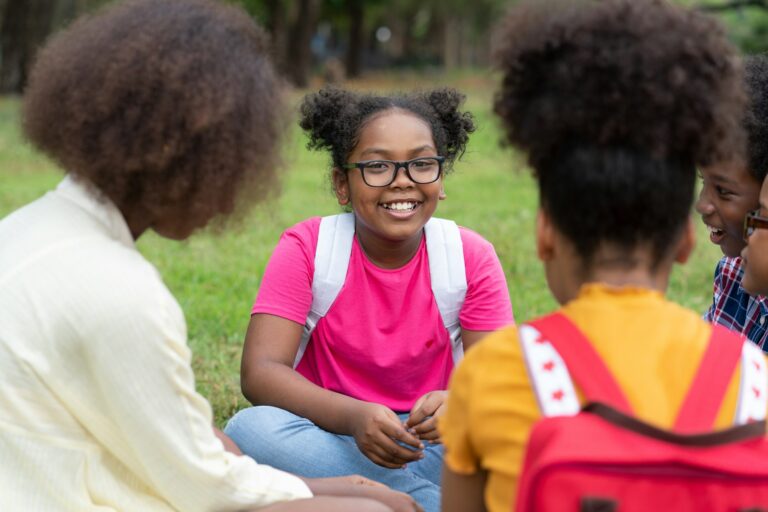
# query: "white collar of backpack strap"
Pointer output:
{"type": "Point", "coordinates": [556, 395]}
{"type": "Point", "coordinates": [448, 276]}
{"type": "Point", "coordinates": [334, 247]}
{"type": "Point", "coordinates": [548, 374]}
{"type": "Point", "coordinates": [753, 388]}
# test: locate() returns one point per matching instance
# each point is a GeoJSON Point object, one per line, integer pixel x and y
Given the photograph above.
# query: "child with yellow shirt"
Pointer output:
{"type": "Point", "coordinates": [615, 103]}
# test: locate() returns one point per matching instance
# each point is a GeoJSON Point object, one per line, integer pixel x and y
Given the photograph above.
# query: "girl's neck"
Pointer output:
{"type": "Point", "coordinates": [388, 254]}
{"type": "Point", "coordinates": [638, 270]}
{"type": "Point", "coordinates": [138, 220]}
{"type": "Point", "coordinates": [637, 278]}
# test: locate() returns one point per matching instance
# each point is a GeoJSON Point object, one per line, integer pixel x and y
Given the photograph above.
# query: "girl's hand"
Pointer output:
{"type": "Point", "coordinates": [378, 431]}
{"type": "Point", "coordinates": [422, 421]}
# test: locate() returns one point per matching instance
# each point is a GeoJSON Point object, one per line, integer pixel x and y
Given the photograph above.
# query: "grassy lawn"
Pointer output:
{"type": "Point", "coordinates": [216, 276]}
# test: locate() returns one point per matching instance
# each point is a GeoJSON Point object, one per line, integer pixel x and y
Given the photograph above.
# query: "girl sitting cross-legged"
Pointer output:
{"type": "Point", "coordinates": [360, 317]}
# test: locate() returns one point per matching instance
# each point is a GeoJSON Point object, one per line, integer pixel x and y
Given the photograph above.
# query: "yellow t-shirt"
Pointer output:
{"type": "Point", "coordinates": [651, 346]}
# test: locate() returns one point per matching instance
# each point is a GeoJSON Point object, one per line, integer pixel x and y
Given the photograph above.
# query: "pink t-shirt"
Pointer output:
{"type": "Point", "coordinates": [383, 339]}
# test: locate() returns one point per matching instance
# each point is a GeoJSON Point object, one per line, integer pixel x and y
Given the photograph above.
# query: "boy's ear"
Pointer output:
{"type": "Point", "coordinates": [340, 186]}
{"type": "Point", "coordinates": [545, 236]}
{"type": "Point", "coordinates": [687, 242]}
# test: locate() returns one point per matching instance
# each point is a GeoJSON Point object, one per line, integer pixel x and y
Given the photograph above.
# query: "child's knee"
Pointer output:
{"type": "Point", "coordinates": [263, 421]}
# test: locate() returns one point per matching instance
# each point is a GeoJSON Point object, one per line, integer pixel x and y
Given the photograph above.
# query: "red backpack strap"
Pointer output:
{"type": "Point", "coordinates": [583, 362]}
{"type": "Point", "coordinates": [706, 393]}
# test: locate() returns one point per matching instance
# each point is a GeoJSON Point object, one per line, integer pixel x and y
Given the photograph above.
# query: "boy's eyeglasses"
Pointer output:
{"type": "Point", "coordinates": [381, 173]}
{"type": "Point", "coordinates": [753, 221]}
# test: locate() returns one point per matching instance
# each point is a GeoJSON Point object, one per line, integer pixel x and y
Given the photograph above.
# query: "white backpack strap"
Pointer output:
{"type": "Point", "coordinates": [753, 389]}
{"type": "Point", "coordinates": [448, 276]}
{"type": "Point", "coordinates": [550, 379]}
{"type": "Point", "coordinates": [334, 247]}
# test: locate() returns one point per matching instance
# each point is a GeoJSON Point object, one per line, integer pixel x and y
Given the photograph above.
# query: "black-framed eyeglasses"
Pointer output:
{"type": "Point", "coordinates": [753, 221]}
{"type": "Point", "coordinates": [381, 173]}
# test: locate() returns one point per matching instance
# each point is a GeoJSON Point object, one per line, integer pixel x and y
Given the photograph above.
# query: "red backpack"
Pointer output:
{"type": "Point", "coordinates": [601, 458]}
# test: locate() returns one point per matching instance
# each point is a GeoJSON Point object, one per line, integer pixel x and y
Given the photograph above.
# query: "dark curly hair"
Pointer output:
{"type": "Point", "coordinates": [616, 102]}
{"type": "Point", "coordinates": [333, 118]}
{"type": "Point", "coordinates": [169, 106]}
{"type": "Point", "coordinates": [756, 119]}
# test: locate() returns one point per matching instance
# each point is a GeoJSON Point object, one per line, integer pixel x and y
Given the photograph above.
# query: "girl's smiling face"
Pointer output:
{"type": "Point", "coordinates": [393, 215]}
{"type": "Point", "coordinates": [755, 254]}
{"type": "Point", "coordinates": [727, 194]}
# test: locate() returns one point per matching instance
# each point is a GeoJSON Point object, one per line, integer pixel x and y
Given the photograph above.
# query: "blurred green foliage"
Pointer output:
{"type": "Point", "coordinates": [748, 28]}
{"type": "Point", "coordinates": [746, 20]}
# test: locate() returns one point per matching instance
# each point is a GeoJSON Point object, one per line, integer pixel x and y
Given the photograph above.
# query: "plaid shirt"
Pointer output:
{"type": "Point", "coordinates": [734, 308]}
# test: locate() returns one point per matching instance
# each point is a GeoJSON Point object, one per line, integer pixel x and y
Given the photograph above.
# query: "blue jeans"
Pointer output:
{"type": "Point", "coordinates": [283, 440]}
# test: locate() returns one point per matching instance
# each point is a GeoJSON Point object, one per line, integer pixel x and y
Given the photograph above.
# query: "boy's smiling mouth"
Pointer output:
{"type": "Point", "coordinates": [716, 235]}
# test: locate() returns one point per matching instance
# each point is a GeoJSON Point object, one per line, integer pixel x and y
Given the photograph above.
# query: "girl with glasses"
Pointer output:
{"type": "Point", "coordinates": [367, 386]}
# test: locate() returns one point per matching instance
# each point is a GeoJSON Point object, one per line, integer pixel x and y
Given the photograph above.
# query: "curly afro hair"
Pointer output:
{"type": "Point", "coordinates": [333, 119]}
{"type": "Point", "coordinates": [168, 106]}
{"type": "Point", "coordinates": [616, 102]}
{"type": "Point", "coordinates": [756, 119]}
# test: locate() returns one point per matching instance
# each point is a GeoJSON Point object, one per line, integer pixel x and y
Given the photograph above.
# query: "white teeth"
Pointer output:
{"type": "Point", "coordinates": [713, 230]}
{"type": "Point", "coordinates": [400, 206]}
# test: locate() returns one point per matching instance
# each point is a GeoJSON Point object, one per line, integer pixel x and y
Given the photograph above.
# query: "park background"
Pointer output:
{"type": "Point", "coordinates": [366, 45]}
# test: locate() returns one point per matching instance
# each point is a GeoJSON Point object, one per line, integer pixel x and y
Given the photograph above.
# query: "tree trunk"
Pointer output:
{"type": "Point", "coordinates": [25, 25]}
{"type": "Point", "coordinates": [299, 50]}
{"type": "Point", "coordinates": [3, 4]}
{"type": "Point", "coordinates": [356, 27]}
{"type": "Point", "coordinates": [277, 26]}
{"type": "Point", "coordinates": [451, 42]}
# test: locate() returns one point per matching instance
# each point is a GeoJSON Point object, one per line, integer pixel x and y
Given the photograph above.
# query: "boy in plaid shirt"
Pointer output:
{"type": "Point", "coordinates": [728, 193]}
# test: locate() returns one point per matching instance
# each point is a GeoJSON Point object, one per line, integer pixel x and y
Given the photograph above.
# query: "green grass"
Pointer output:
{"type": "Point", "coordinates": [215, 277]}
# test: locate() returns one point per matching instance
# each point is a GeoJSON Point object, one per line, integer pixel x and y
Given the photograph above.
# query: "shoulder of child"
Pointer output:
{"type": "Point", "coordinates": [306, 231]}
{"type": "Point", "coordinates": [489, 360]}
{"type": "Point", "coordinates": [478, 251]}
{"type": "Point", "coordinates": [306, 226]}
{"type": "Point", "coordinates": [473, 242]}
{"type": "Point", "coordinates": [120, 290]}
{"type": "Point", "coordinates": [498, 345]}
{"type": "Point", "coordinates": [730, 268]}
